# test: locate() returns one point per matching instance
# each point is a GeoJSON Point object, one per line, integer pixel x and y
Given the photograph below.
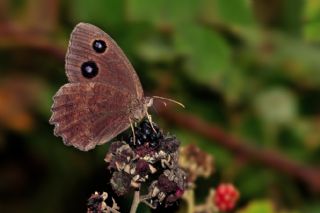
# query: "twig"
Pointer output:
{"type": "Point", "coordinates": [189, 198]}
{"type": "Point", "coordinates": [135, 202]}
{"type": "Point", "coordinates": [270, 158]}
{"type": "Point", "coordinates": [148, 204]}
{"type": "Point", "coordinates": [113, 210]}
{"type": "Point", "coordinates": [12, 38]}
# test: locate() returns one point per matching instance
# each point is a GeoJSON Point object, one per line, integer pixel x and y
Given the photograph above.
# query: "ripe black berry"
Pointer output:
{"type": "Point", "coordinates": [146, 134]}
{"type": "Point", "coordinates": [154, 144]}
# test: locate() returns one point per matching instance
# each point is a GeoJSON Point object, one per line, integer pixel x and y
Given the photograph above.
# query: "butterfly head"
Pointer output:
{"type": "Point", "coordinates": [139, 109]}
{"type": "Point", "coordinates": [148, 101]}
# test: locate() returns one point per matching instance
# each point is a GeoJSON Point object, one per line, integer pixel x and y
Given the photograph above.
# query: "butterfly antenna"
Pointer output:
{"type": "Point", "coordinates": [150, 121]}
{"type": "Point", "coordinates": [168, 99]}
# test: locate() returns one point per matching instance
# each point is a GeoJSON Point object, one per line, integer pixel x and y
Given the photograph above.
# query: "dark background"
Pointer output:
{"type": "Point", "coordinates": [250, 69]}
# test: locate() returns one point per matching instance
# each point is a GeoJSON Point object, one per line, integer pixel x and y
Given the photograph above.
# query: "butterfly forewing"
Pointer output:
{"type": "Point", "coordinates": [89, 113]}
{"type": "Point", "coordinates": [91, 48]}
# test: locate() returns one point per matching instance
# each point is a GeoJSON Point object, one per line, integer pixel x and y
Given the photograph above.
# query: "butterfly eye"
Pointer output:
{"type": "Point", "coordinates": [99, 46]}
{"type": "Point", "coordinates": [89, 69]}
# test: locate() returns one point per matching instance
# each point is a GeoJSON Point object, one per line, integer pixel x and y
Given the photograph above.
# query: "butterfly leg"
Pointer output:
{"type": "Point", "coordinates": [133, 133]}
{"type": "Point", "coordinates": [150, 121]}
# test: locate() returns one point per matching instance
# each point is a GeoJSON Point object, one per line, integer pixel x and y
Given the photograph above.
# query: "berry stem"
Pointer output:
{"type": "Point", "coordinates": [135, 202]}
{"type": "Point", "coordinates": [189, 198]}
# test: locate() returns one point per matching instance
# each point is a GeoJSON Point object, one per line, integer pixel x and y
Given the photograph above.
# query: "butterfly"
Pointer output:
{"type": "Point", "coordinates": [104, 95]}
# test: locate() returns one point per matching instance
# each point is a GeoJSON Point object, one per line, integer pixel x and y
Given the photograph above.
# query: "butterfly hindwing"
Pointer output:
{"type": "Point", "coordinates": [90, 113]}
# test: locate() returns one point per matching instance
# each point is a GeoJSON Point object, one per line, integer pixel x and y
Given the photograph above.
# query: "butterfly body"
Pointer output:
{"type": "Point", "coordinates": [139, 108]}
{"type": "Point", "coordinates": [104, 95]}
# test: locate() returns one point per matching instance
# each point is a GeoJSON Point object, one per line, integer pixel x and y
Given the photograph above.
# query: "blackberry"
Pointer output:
{"type": "Point", "coordinates": [154, 144]}
{"type": "Point", "coordinates": [142, 168]}
{"type": "Point", "coordinates": [144, 137]}
{"type": "Point", "coordinates": [147, 131]}
{"type": "Point", "coordinates": [138, 142]}
{"type": "Point", "coordinates": [135, 144]}
{"type": "Point", "coordinates": [165, 185]}
{"type": "Point", "coordinates": [145, 134]}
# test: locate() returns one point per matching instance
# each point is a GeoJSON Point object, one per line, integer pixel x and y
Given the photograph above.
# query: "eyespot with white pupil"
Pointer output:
{"type": "Point", "coordinates": [99, 46]}
{"type": "Point", "coordinates": [89, 69]}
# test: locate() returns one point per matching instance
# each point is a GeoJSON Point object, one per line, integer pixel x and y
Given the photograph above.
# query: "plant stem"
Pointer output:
{"type": "Point", "coordinates": [266, 157]}
{"type": "Point", "coordinates": [135, 202]}
{"type": "Point", "coordinates": [189, 198]}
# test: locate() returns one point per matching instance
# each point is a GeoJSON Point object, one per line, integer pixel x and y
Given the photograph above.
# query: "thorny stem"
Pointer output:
{"type": "Point", "coordinates": [113, 210]}
{"type": "Point", "coordinates": [270, 158]}
{"type": "Point", "coordinates": [143, 199]}
{"type": "Point", "coordinates": [208, 206]}
{"type": "Point", "coordinates": [136, 201]}
{"type": "Point", "coordinates": [148, 204]}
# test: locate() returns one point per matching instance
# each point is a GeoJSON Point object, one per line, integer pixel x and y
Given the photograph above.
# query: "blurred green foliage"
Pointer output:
{"type": "Point", "coordinates": [250, 66]}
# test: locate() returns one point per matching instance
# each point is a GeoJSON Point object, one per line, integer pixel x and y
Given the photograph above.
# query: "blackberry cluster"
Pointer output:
{"type": "Point", "coordinates": [145, 134]}
{"type": "Point", "coordinates": [147, 157]}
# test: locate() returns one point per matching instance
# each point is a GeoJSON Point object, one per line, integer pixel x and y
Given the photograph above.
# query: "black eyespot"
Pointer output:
{"type": "Point", "coordinates": [99, 46]}
{"type": "Point", "coordinates": [89, 69]}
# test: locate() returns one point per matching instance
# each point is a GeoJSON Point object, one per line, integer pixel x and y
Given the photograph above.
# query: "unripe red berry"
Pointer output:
{"type": "Point", "coordinates": [225, 197]}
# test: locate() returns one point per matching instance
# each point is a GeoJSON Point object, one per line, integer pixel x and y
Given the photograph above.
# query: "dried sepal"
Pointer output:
{"type": "Point", "coordinates": [114, 206]}
{"type": "Point", "coordinates": [167, 189]}
{"type": "Point", "coordinates": [97, 204]}
{"type": "Point", "coordinates": [120, 182]}
{"type": "Point", "coordinates": [196, 162]}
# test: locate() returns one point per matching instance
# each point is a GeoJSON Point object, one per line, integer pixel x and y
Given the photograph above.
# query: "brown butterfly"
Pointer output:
{"type": "Point", "coordinates": [104, 96]}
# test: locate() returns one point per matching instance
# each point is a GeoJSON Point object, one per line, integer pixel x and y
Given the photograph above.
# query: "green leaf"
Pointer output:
{"type": "Point", "coordinates": [312, 207]}
{"type": "Point", "coordinates": [298, 60]}
{"type": "Point", "coordinates": [312, 17]}
{"type": "Point", "coordinates": [163, 12]}
{"type": "Point", "coordinates": [235, 12]}
{"type": "Point", "coordinates": [207, 53]}
{"type": "Point", "coordinates": [154, 49]}
{"type": "Point", "coordinates": [277, 106]}
{"type": "Point", "coordinates": [100, 12]}
{"type": "Point", "coordinates": [291, 15]}
{"type": "Point", "coordinates": [234, 85]}
{"type": "Point", "coordinates": [263, 206]}
{"type": "Point", "coordinates": [259, 206]}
